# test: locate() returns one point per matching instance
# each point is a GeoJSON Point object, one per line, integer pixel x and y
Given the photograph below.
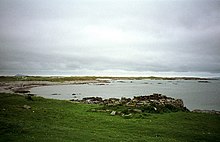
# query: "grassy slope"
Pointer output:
{"type": "Point", "coordinates": [55, 120]}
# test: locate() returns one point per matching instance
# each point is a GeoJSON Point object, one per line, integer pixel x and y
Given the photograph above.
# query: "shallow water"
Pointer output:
{"type": "Point", "coordinates": [194, 94]}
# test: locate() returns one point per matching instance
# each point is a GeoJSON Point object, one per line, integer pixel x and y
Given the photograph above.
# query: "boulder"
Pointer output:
{"type": "Point", "coordinates": [29, 97]}
{"type": "Point", "coordinates": [179, 103]}
{"type": "Point", "coordinates": [137, 110]}
{"type": "Point", "coordinates": [125, 100]}
{"type": "Point", "coordinates": [26, 107]}
{"type": "Point", "coordinates": [22, 91]}
{"type": "Point", "coordinates": [55, 94]}
{"type": "Point", "coordinates": [113, 113]}
{"type": "Point", "coordinates": [92, 100]}
{"type": "Point", "coordinates": [127, 116]}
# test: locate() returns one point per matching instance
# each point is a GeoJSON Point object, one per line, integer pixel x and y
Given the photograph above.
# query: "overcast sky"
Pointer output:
{"type": "Point", "coordinates": [110, 37]}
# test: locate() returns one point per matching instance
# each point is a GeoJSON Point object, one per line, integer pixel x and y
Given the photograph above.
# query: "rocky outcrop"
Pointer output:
{"type": "Point", "coordinates": [138, 104]}
{"type": "Point", "coordinates": [137, 101]}
{"type": "Point", "coordinates": [157, 99]}
{"type": "Point", "coordinates": [207, 111]}
{"type": "Point", "coordinates": [203, 81]}
{"type": "Point", "coordinates": [92, 100]}
{"type": "Point", "coordinates": [22, 91]}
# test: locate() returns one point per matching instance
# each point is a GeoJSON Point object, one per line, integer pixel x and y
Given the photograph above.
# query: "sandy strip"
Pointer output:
{"type": "Point", "coordinates": [16, 86]}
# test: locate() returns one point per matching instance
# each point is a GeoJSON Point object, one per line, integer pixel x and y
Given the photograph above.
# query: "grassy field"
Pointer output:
{"type": "Point", "coordinates": [55, 121]}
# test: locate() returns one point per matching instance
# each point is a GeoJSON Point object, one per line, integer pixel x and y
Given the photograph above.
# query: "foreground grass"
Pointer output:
{"type": "Point", "coordinates": [54, 120]}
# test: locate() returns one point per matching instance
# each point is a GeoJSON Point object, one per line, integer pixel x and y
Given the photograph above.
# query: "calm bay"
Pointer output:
{"type": "Point", "coordinates": [195, 94]}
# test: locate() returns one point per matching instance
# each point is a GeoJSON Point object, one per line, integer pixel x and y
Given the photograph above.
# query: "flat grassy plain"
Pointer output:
{"type": "Point", "coordinates": [51, 120]}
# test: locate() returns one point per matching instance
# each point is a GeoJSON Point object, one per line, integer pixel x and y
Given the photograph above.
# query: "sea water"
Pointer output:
{"type": "Point", "coordinates": [196, 95]}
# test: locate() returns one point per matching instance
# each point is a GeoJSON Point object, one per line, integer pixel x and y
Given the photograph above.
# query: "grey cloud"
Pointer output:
{"type": "Point", "coordinates": [126, 36]}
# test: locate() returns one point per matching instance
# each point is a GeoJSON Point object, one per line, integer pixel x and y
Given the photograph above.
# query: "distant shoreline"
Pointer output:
{"type": "Point", "coordinates": [23, 83]}
{"type": "Point", "coordinates": [92, 78]}
{"type": "Point", "coordinates": [25, 86]}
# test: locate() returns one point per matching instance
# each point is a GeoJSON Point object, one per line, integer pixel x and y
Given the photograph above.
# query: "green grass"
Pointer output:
{"type": "Point", "coordinates": [55, 121]}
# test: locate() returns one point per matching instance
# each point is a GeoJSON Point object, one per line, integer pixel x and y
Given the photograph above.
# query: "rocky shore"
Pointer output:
{"type": "Point", "coordinates": [207, 111]}
{"type": "Point", "coordinates": [136, 101]}
{"type": "Point", "coordinates": [21, 86]}
{"type": "Point", "coordinates": [155, 103]}
{"type": "Point", "coordinates": [151, 103]}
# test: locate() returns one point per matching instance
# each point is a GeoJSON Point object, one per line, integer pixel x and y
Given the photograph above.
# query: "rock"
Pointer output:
{"type": "Point", "coordinates": [31, 94]}
{"type": "Point", "coordinates": [119, 112]}
{"type": "Point", "coordinates": [127, 116]}
{"type": "Point", "coordinates": [28, 97]}
{"type": "Point", "coordinates": [179, 103]}
{"type": "Point", "coordinates": [55, 94]}
{"type": "Point", "coordinates": [92, 100]}
{"type": "Point", "coordinates": [93, 110]}
{"type": "Point", "coordinates": [139, 104]}
{"type": "Point", "coordinates": [206, 111]}
{"type": "Point", "coordinates": [73, 94]}
{"type": "Point", "coordinates": [202, 81]}
{"type": "Point", "coordinates": [125, 100]}
{"type": "Point", "coordinates": [130, 105]}
{"type": "Point", "coordinates": [113, 100]}
{"type": "Point", "coordinates": [156, 102]}
{"type": "Point", "coordinates": [137, 110]}
{"type": "Point", "coordinates": [22, 91]}
{"type": "Point", "coordinates": [113, 113]}
{"type": "Point", "coordinates": [121, 81]}
{"type": "Point", "coordinates": [101, 84]}
{"type": "Point", "coordinates": [26, 107]}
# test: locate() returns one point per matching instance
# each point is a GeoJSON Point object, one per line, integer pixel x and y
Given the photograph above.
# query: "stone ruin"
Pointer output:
{"type": "Point", "coordinates": [152, 103]}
